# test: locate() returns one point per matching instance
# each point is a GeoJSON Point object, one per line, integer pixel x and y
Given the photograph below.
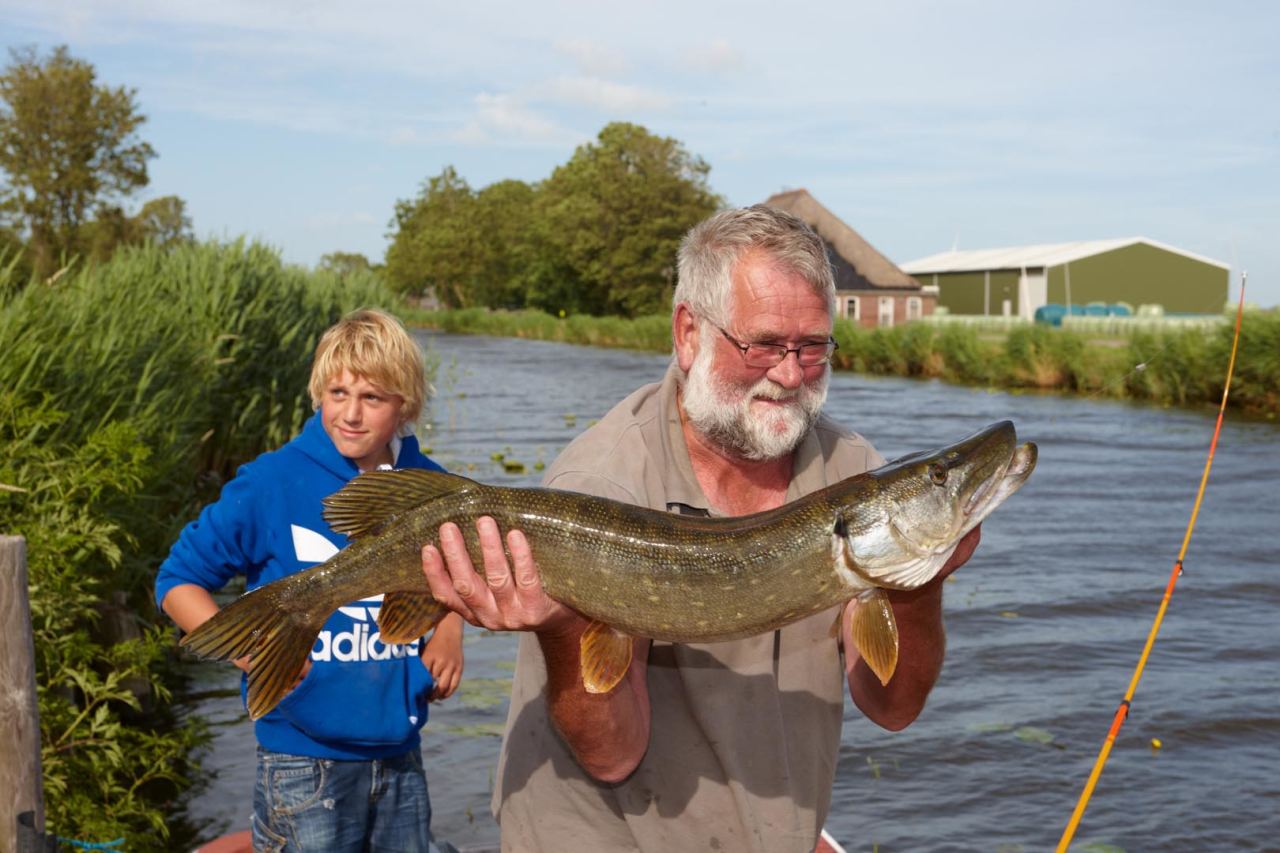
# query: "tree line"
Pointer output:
{"type": "Point", "coordinates": [597, 236]}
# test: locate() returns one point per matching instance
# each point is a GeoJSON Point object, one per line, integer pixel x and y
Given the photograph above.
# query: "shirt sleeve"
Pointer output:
{"type": "Point", "coordinates": [226, 540]}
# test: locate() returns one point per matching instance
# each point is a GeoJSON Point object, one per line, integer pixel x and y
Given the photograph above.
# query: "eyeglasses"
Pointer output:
{"type": "Point", "coordinates": [771, 355]}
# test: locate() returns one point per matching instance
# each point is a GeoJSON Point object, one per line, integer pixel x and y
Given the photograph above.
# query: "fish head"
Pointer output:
{"type": "Point", "coordinates": [926, 502]}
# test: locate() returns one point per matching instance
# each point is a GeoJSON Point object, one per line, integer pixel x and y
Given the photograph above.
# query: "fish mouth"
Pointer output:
{"type": "Point", "coordinates": [1007, 478]}
{"type": "Point", "coordinates": [992, 492]}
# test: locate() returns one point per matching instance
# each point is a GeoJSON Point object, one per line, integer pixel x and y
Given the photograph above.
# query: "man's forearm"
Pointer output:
{"type": "Point", "coordinates": [921, 649]}
{"type": "Point", "coordinates": [608, 733]}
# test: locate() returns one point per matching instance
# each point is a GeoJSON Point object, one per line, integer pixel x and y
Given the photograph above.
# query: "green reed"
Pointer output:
{"type": "Point", "coordinates": [128, 392]}
{"type": "Point", "coordinates": [1182, 365]}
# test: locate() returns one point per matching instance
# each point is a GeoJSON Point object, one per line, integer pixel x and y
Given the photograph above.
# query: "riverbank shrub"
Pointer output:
{"type": "Point", "coordinates": [129, 391]}
{"type": "Point", "coordinates": [1184, 367]}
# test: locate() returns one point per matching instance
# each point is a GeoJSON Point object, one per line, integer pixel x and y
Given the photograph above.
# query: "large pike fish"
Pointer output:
{"type": "Point", "coordinates": [636, 571]}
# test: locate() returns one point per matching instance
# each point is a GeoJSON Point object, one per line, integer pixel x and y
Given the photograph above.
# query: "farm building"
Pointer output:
{"type": "Point", "coordinates": [1017, 281]}
{"type": "Point", "coordinates": [870, 289]}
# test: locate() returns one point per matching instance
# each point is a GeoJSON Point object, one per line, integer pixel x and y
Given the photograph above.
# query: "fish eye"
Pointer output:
{"type": "Point", "coordinates": [938, 473]}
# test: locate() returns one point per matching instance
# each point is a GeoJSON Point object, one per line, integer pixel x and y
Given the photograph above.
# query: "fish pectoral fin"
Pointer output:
{"type": "Point", "coordinates": [362, 505]}
{"type": "Point", "coordinates": [875, 633]}
{"type": "Point", "coordinates": [605, 655]}
{"type": "Point", "coordinates": [406, 616]}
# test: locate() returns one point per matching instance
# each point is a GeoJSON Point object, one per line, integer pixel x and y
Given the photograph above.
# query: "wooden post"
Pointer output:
{"type": "Point", "coordinates": [20, 785]}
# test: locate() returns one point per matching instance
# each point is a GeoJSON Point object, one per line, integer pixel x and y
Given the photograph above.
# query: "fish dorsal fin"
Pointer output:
{"type": "Point", "coordinates": [362, 505]}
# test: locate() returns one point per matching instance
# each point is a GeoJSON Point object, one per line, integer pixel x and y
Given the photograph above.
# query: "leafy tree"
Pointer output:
{"type": "Point", "coordinates": [345, 263]}
{"type": "Point", "coordinates": [434, 242]}
{"type": "Point", "coordinates": [67, 145]}
{"type": "Point", "coordinates": [615, 214]}
{"type": "Point", "coordinates": [164, 221]}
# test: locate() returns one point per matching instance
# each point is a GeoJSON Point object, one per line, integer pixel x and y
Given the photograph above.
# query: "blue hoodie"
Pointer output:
{"type": "Point", "coordinates": [361, 700]}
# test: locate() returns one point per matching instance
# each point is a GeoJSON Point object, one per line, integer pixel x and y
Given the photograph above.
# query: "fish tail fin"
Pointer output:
{"type": "Point", "coordinates": [278, 640]}
{"type": "Point", "coordinates": [875, 633]}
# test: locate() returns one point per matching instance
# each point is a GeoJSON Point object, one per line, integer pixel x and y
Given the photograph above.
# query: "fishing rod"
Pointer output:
{"type": "Point", "coordinates": [1122, 712]}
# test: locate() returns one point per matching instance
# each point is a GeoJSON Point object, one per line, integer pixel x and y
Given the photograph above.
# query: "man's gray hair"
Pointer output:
{"type": "Point", "coordinates": [711, 248]}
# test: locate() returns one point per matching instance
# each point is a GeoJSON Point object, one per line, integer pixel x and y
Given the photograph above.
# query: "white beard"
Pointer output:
{"type": "Point", "coordinates": [723, 412]}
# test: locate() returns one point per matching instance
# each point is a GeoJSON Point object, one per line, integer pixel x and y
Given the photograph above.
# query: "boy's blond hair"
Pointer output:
{"type": "Point", "coordinates": [374, 345]}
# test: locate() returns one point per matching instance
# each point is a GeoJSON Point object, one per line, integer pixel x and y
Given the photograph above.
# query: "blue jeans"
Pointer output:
{"type": "Point", "coordinates": [309, 805]}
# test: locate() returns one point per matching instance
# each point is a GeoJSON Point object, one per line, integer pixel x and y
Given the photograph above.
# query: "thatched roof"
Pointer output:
{"type": "Point", "coordinates": [858, 266]}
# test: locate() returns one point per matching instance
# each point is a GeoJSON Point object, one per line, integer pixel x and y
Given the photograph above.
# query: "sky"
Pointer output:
{"type": "Point", "coordinates": [926, 126]}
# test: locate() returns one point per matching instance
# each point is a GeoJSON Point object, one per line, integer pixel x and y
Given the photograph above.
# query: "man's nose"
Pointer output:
{"type": "Point", "coordinates": [788, 373]}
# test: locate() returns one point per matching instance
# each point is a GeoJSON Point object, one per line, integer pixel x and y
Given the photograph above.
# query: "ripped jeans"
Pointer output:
{"type": "Point", "coordinates": [307, 805]}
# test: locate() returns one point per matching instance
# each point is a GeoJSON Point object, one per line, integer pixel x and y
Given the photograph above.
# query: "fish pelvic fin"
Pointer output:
{"type": "Point", "coordinates": [277, 639]}
{"type": "Point", "coordinates": [605, 655]}
{"type": "Point", "coordinates": [370, 499]}
{"type": "Point", "coordinates": [875, 633]}
{"type": "Point", "coordinates": [406, 616]}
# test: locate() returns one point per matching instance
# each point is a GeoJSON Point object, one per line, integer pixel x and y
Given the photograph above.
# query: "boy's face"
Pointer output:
{"type": "Point", "coordinates": [360, 418]}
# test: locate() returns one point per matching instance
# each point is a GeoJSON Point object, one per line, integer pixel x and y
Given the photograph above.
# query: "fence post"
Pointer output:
{"type": "Point", "coordinates": [21, 797]}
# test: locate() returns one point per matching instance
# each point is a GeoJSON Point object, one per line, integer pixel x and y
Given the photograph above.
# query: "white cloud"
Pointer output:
{"type": "Point", "coordinates": [505, 118]}
{"type": "Point", "coordinates": [718, 57]}
{"type": "Point", "coordinates": [602, 95]}
{"type": "Point", "coordinates": [593, 58]}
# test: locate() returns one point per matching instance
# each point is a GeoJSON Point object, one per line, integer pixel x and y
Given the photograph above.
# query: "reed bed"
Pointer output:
{"type": "Point", "coordinates": [1178, 365]}
{"type": "Point", "coordinates": [128, 392]}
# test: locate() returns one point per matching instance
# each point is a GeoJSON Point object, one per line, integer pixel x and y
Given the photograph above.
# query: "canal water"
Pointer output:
{"type": "Point", "coordinates": [1045, 624]}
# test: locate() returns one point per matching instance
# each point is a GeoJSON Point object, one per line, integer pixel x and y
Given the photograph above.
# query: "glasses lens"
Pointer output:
{"type": "Point", "coordinates": [764, 355]}
{"type": "Point", "coordinates": [814, 354]}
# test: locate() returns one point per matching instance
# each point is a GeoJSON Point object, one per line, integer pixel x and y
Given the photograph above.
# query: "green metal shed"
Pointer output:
{"type": "Point", "coordinates": [1016, 281]}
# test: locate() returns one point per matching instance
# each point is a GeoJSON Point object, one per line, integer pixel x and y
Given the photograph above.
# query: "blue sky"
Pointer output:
{"type": "Point", "coordinates": [924, 125]}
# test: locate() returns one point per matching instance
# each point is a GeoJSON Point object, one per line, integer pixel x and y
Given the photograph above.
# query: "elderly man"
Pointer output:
{"type": "Point", "coordinates": [725, 746]}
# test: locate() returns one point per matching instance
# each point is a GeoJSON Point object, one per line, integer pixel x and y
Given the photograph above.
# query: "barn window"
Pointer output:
{"type": "Point", "coordinates": [851, 308]}
{"type": "Point", "coordinates": [913, 308]}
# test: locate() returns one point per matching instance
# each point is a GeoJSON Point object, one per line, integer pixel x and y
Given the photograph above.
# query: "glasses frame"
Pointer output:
{"type": "Point", "coordinates": [779, 352]}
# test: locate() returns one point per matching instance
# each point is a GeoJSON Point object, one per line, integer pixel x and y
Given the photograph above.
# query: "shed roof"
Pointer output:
{"type": "Point", "coordinates": [1044, 255]}
{"type": "Point", "coordinates": [869, 267]}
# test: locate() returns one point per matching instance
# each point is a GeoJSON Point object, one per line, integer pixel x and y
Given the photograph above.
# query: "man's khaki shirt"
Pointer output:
{"type": "Point", "coordinates": [744, 734]}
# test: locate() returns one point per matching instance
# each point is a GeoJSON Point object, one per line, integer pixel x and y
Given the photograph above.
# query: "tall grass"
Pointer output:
{"type": "Point", "coordinates": [128, 392]}
{"type": "Point", "coordinates": [1181, 365]}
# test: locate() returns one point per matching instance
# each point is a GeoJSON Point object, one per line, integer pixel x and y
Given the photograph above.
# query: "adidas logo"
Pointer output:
{"type": "Point", "coordinates": [362, 642]}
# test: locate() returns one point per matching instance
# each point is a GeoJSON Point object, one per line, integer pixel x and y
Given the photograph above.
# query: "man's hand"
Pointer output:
{"type": "Point", "coordinates": [964, 550]}
{"type": "Point", "coordinates": [442, 655]}
{"type": "Point", "coordinates": [509, 597]}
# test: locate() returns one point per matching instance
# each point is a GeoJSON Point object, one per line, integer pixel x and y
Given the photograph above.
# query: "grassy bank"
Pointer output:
{"type": "Point", "coordinates": [128, 392]}
{"type": "Point", "coordinates": [1183, 367]}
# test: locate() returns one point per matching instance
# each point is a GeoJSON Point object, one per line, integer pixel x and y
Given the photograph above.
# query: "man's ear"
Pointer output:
{"type": "Point", "coordinates": [684, 335]}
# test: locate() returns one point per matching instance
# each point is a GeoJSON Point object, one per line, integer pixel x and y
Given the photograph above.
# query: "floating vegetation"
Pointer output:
{"type": "Point", "coordinates": [480, 693]}
{"type": "Point", "coordinates": [476, 730]}
{"type": "Point", "coordinates": [1010, 614]}
{"type": "Point", "coordinates": [1032, 734]}
{"type": "Point", "coordinates": [497, 456]}
{"type": "Point", "coordinates": [505, 665]}
{"type": "Point", "coordinates": [539, 465]}
{"type": "Point", "coordinates": [987, 728]}
{"type": "Point", "coordinates": [570, 421]}
{"type": "Point", "coordinates": [513, 466]}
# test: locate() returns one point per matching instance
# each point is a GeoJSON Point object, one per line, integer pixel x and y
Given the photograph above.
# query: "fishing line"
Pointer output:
{"type": "Point", "coordinates": [1122, 712]}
